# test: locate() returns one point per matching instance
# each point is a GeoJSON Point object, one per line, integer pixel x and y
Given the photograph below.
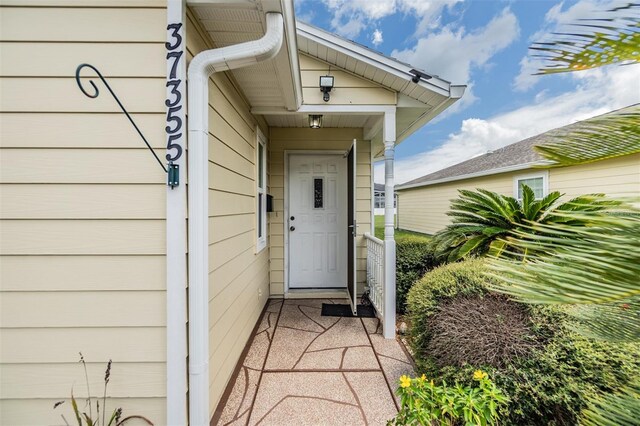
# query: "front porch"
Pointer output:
{"type": "Point", "coordinates": [305, 369]}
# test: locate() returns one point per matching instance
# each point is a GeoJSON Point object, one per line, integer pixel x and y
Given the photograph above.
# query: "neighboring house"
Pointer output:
{"type": "Point", "coordinates": [96, 248]}
{"type": "Point", "coordinates": [378, 199]}
{"type": "Point", "coordinates": [424, 202]}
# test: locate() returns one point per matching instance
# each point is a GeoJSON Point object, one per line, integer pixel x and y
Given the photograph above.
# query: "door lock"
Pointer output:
{"type": "Point", "coordinates": [292, 228]}
{"type": "Point", "coordinates": [292, 218]}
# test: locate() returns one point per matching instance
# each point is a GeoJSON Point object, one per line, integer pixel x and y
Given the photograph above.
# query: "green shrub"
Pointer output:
{"type": "Point", "coordinates": [414, 257]}
{"type": "Point", "coordinates": [548, 382]}
{"type": "Point", "coordinates": [425, 403]}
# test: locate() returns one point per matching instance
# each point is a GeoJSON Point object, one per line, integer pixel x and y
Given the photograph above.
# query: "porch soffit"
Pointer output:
{"type": "Point", "coordinates": [269, 83]}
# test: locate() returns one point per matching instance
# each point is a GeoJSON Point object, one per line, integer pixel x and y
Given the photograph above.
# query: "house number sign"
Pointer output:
{"type": "Point", "coordinates": [174, 100]}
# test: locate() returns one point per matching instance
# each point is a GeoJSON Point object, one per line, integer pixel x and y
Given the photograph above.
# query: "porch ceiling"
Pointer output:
{"type": "Point", "coordinates": [229, 22]}
{"type": "Point", "coordinates": [329, 120]}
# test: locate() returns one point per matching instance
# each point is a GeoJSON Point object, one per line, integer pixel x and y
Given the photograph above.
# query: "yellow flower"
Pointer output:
{"type": "Point", "coordinates": [405, 381]}
{"type": "Point", "coordinates": [423, 378]}
{"type": "Point", "coordinates": [479, 375]}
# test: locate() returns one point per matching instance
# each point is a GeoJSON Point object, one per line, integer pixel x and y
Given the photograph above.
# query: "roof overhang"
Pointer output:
{"type": "Point", "coordinates": [274, 88]}
{"type": "Point", "coordinates": [417, 102]}
{"type": "Point", "coordinates": [230, 22]}
{"type": "Point", "coordinates": [514, 168]}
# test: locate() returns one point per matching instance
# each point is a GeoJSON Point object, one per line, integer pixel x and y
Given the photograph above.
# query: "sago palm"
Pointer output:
{"type": "Point", "coordinates": [484, 221]}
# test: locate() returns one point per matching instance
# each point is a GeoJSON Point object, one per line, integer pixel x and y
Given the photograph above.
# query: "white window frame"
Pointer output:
{"type": "Point", "coordinates": [261, 220]}
{"type": "Point", "coordinates": [541, 174]}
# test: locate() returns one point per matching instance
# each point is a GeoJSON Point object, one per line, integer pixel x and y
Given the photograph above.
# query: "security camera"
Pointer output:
{"type": "Point", "coordinates": [418, 75]}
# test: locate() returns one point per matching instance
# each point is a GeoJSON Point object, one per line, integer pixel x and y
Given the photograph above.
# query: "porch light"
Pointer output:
{"type": "Point", "coordinates": [326, 84]}
{"type": "Point", "coordinates": [315, 121]}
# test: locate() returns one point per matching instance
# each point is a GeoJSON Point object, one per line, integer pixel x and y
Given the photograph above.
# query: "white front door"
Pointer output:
{"type": "Point", "coordinates": [317, 221]}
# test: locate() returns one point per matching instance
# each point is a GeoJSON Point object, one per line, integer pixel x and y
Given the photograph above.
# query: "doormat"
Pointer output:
{"type": "Point", "coordinates": [333, 310]}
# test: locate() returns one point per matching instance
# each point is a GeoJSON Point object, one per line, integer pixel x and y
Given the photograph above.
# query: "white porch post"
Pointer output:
{"type": "Point", "coordinates": [389, 325]}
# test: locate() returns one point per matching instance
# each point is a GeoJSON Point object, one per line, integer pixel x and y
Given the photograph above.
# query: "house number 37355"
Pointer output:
{"type": "Point", "coordinates": [174, 97]}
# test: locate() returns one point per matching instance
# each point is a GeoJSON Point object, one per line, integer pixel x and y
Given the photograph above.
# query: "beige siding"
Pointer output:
{"type": "Point", "coordinates": [315, 140]}
{"type": "Point", "coordinates": [424, 209]}
{"type": "Point", "coordinates": [239, 278]}
{"type": "Point", "coordinates": [82, 208]}
{"type": "Point", "coordinates": [348, 89]}
{"type": "Point", "coordinates": [619, 177]}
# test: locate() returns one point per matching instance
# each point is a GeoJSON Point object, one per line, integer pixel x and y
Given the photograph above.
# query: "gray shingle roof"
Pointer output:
{"type": "Point", "coordinates": [519, 153]}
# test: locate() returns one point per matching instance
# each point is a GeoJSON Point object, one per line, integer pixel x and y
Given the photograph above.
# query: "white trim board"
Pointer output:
{"type": "Point", "coordinates": [176, 247]}
{"type": "Point", "coordinates": [544, 174]}
{"type": "Point", "coordinates": [327, 109]}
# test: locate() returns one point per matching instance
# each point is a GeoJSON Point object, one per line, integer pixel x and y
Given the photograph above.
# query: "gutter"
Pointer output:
{"type": "Point", "coordinates": [201, 68]}
{"type": "Point", "coordinates": [506, 169]}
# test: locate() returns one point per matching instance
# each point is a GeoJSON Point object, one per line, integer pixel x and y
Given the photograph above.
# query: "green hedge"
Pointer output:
{"type": "Point", "coordinates": [414, 258]}
{"type": "Point", "coordinates": [547, 386]}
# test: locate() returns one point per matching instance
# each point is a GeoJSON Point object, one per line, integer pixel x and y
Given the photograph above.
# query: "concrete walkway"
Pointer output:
{"type": "Point", "coordinates": [305, 369]}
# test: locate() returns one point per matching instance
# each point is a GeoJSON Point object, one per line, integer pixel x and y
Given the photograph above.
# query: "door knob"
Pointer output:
{"type": "Point", "coordinates": [292, 228]}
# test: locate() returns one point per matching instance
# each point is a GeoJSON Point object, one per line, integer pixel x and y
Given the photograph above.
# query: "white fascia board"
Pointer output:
{"type": "Point", "coordinates": [396, 68]}
{"type": "Point", "coordinates": [327, 109]}
{"type": "Point", "coordinates": [238, 4]}
{"type": "Point", "coordinates": [291, 76]}
{"type": "Point", "coordinates": [291, 39]}
{"type": "Point", "coordinates": [499, 170]}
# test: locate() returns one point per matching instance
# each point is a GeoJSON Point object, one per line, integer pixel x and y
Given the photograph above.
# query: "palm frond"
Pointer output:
{"type": "Point", "coordinates": [609, 136]}
{"type": "Point", "coordinates": [614, 322]}
{"type": "Point", "coordinates": [611, 38]}
{"type": "Point", "coordinates": [596, 263]}
{"type": "Point", "coordinates": [614, 410]}
{"type": "Point", "coordinates": [479, 218]}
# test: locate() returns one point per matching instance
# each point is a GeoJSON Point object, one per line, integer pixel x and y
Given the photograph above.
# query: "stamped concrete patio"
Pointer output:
{"type": "Point", "coordinates": [305, 369]}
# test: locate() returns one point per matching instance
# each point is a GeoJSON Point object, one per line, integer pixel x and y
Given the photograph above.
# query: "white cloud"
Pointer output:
{"type": "Point", "coordinates": [556, 20]}
{"type": "Point", "coordinates": [350, 17]}
{"type": "Point", "coordinates": [376, 38]}
{"type": "Point", "coordinates": [526, 79]}
{"type": "Point", "coordinates": [598, 91]}
{"type": "Point", "coordinates": [452, 53]}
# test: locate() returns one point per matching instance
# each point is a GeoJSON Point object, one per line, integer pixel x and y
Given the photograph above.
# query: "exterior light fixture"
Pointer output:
{"type": "Point", "coordinates": [326, 84]}
{"type": "Point", "coordinates": [315, 121]}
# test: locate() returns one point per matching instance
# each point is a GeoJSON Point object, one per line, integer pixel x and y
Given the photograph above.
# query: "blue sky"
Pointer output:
{"type": "Point", "coordinates": [484, 44]}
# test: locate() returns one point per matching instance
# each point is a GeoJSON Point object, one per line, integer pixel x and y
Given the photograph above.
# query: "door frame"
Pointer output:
{"type": "Point", "coordinates": [287, 153]}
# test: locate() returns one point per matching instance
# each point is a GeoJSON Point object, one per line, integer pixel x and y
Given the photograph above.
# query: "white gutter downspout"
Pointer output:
{"type": "Point", "coordinates": [201, 67]}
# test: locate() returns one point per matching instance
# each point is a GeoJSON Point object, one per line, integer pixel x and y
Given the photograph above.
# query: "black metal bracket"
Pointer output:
{"type": "Point", "coordinates": [172, 170]}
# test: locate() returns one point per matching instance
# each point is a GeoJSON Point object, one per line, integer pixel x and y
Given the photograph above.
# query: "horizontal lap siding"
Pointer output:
{"type": "Point", "coordinates": [236, 273]}
{"type": "Point", "coordinates": [283, 139]}
{"type": "Point", "coordinates": [82, 208]}
{"type": "Point", "coordinates": [424, 209]}
{"type": "Point", "coordinates": [348, 89]}
{"type": "Point", "coordinates": [618, 177]}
